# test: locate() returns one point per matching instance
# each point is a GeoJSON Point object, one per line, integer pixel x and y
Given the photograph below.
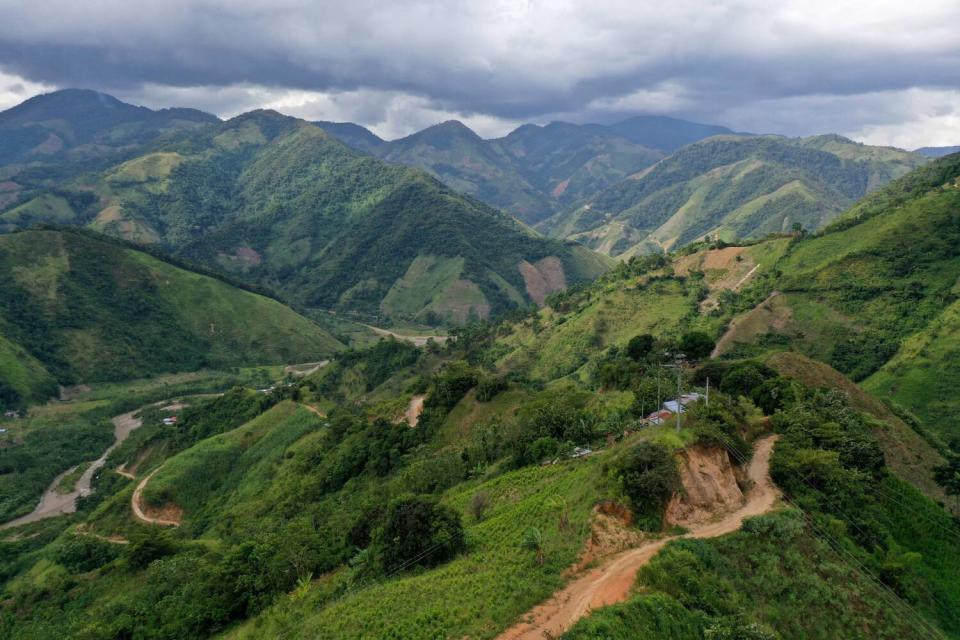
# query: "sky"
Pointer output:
{"type": "Point", "coordinates": [877, 71]}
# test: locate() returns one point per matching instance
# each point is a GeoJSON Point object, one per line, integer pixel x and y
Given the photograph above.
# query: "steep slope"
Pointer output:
{"type": "Point", "coordinates": [467, 163]}
{"type": "Point", "coordinates": [278, 202]}
{"type": "Point", "coordinates": [89, 309]}
{"type": "Point", "coordinates": [531, 173]}
{"type": "Point", "coordinates": [569, 162]}
{"type": "Point", "coordinates": [875, 294]}
{"type": "Point", "coordinates": [734, 187]}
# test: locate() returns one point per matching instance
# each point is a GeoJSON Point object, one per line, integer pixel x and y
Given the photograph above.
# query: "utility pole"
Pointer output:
{"type": "Point", "coordinates": [708, 391]}
{"type": "Point", "coordinates": [679, 392]}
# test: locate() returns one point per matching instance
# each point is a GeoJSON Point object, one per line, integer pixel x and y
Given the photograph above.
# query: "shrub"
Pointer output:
{"type": "Point", "coordinates": [648, 477]}
{"type": "Point", "coordinates": [489, 387]}
{"type": "Point", "coordinates": [81, 553]}
{"type": "Point", "coordinates": [696, 345]}
{"type": "Point", "coordinates": [640, 346]}
{"type": "Point", "coordinates": [417, 532]}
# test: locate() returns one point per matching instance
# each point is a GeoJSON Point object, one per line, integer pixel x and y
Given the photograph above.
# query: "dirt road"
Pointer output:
{"type": "Point", "coordinates": [612, 582]}
{"type": "Point", "coordinates": [54, 503]}
{"type": "Point", "coordinates": [136, 504]}
{"type": "Point", "coordinates": [417, 341]}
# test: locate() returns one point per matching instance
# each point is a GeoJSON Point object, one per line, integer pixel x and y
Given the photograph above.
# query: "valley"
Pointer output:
{"type": "Point", "coordinates": [269, 378]}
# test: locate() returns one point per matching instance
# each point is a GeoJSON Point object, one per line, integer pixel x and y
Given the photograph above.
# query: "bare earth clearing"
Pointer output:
{"type": "Point", "coordinates": [612, 581]}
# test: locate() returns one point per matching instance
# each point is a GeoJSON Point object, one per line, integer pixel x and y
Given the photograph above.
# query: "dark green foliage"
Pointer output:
{"type": "Point", "coordinates": [696, 345]}
{"type": "Point", "coordinates": [149, 544]}
{"type": "Point", "coordinates": [81, 553]}
{"type": "Point", "coordinates": [555, 419]}
{"type": "Point", "coordinates": [648, 475]}
{"type": "Point", "coordinates": [745, 377]}
{"type": "Point", "coordinates": [490, 386]}
{"type": "Point", "coordinates": [640, 346]}
{"type": "Point", "coordinates": [416, 532]}
{"type": "Point", "coordinates": [450, 385]}
{"type": "Point", "coordinates": [380, 361]}
{"type": "Point", "coordinates": [774, 394]}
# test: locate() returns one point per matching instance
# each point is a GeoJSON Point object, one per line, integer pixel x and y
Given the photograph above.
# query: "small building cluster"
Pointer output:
{"type": "Point", "coordinates": [172, 420]}
{"type": "Point", "coordinates": [671, 407]}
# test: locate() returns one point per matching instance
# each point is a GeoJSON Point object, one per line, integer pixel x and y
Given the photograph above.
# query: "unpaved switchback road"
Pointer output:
{"type": "Point", "coordinates": [612, 582]}
{"type": "Point", "coordinates": [136, 504]}
{"type": "Point", "coordinates": [54, 503]}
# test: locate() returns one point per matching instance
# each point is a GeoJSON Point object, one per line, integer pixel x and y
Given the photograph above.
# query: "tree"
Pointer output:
{"type": "Point", "coordinates": [648, 476]}
{"type": "Point", "coordinates": [640, 347]}
{"type": "Point", "coordinates": [416, 531]}
{"type": "Point", "coordinates": [696, 345]}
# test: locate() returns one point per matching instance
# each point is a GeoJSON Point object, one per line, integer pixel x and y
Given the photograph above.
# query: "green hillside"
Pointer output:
{"type": "Point", "coordinates": [733, 187]}
{"type": "Point", "coordinates": [531, 173]}
{"type": "Point", "coordinates": [316, 511]}
{"type": "Point", "coordinates": [81, 309]}
{"type": "Point", "coordinates": [874, 294]}
{"type": "Point", "coordinates": [277, 202]}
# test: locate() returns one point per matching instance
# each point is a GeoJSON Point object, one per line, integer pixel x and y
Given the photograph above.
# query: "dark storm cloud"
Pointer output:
{"type": "Point", "coordinates": [507, 61]}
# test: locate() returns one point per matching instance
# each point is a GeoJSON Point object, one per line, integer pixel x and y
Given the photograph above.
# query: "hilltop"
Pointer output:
{"type": "Point", "coordinates": [76, 308]}
{"type": "Point", "coordinates": [732, 187]}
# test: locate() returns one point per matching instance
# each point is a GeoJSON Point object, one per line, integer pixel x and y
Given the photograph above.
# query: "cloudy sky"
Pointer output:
{"type": "Point", "coordinates": [884, 72]}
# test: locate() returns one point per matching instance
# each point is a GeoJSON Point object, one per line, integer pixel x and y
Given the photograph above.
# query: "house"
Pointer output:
{"type": "Point", "coordinates": [580, 452]}
{"type": "Point", "coordinates": [680, 406]}
{"type": "Point", "coordinates": [170, 421]}
{"type": "Point", "coordinates": [659, 417]}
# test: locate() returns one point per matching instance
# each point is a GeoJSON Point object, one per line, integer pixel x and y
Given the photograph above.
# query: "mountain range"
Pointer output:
{"type": "Point", "coordinates": [277, 202]}
{"type": "Point", "coordinates": [534, 171]}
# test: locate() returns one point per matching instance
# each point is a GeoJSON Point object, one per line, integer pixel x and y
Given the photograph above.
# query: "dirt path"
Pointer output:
{"type": "Point", "coordinates": [613, 581]}
{"type": "Point", "coordinates": [53, 503]}
{"type": "Point", "coordinates": [136, 504]}
{"type": "Point", "coordinates": [414, 409]}
{"type": "Point", "coordinates": [312, 409]}
{"type": "Point", "coordinates": [417, 341]}
{"type": "Point", "coordinates": [737, 286]}
{"type": "Point", "coordinates": [305, 369]}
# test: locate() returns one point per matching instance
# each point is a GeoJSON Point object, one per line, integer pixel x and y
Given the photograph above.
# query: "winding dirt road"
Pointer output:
{"type": "Point", "coordinates": [136, 504]}
{"type": "Point", "coordinates": [612, 582]}
{"type": "Point", "coordinates": [53, 503]}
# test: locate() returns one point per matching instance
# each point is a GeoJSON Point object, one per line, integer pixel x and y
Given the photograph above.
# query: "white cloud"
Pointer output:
{"type": "Point", "coordinates": [14, 89]}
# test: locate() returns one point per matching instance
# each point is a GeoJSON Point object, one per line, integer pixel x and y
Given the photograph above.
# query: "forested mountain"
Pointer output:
{"type": "Point", "coordinates": [79, 124]}
{"type": "Point", "coordinates": [276, 201]}
{"type": "Point", "coordinates": [473, 489]}
{"type": "Point", "coordinates": [535, 171]}
{"type": "Point", "coordinates": [79, 308]}
{"type": "Point", "coordinates": [734, 187]}
{"type": "Point", "coordinates": [467, 163]}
